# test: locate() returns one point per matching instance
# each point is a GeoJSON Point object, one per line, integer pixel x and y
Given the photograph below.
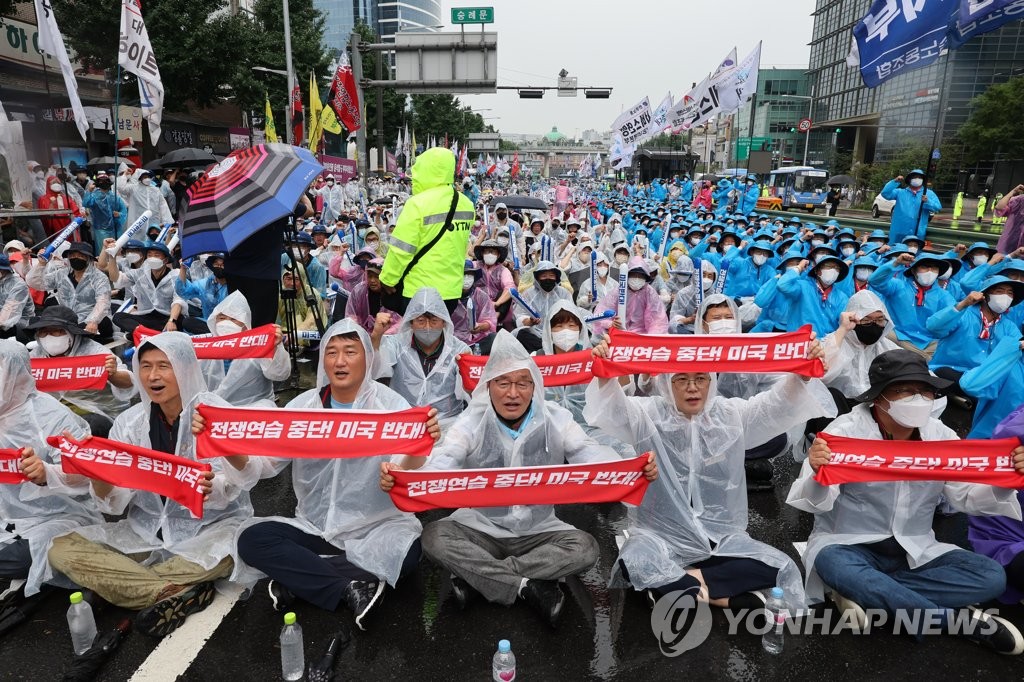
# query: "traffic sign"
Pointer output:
{"type": "Point", "coordinates": [804, 125]}
{"type": "Point", "coordinates": [472, 15]}
{"type": "Point", "coordinates": [936, 155]}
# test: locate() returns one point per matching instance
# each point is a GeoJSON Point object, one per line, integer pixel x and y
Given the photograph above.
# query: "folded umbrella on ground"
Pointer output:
{"type": "Point", "coordinates": [324, 670]}
{"type": "Point", "coordinates": [86, 665]}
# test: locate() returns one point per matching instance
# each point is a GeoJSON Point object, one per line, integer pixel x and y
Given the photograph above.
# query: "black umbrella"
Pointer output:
{"type": "Point", "coordinates": [840, 180]}
{"type": "Point", "coordinates": [189, 157]}
{"type": "Point", "coordinates": [513, 201]}
{"type": "Point", "coordinates": [154, 165]}
{"type": "Point", "coordinates": [87, 664]}
{"type": "Point", "coordinates": [324, 670]}
{"type": "Point", "coordinates": [103, 162]}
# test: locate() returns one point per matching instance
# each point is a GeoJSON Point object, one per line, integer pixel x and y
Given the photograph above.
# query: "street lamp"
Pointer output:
{"type": "Point", "coordinates": [810, 116]}
{"type": "Point", "coordinates": [288, 105]}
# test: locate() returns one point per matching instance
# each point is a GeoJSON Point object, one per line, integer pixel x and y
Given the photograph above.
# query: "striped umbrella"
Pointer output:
{"type": "Point", "coordinates": [246, 191]}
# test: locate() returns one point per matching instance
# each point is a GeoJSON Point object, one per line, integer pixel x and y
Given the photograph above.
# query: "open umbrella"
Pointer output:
{"type": "Point", "coordinates": [840, 180]}
{"type": "Point", "coordinates": [153, 165]}
{"type": "Point", "coordinates": [248, 190]}
{"type": "Point", "coordinates": [521, 202]}
{"type": "Point", "coordinates": [102, 162]}
{"type": "Point", "coordinates": [189, 157]}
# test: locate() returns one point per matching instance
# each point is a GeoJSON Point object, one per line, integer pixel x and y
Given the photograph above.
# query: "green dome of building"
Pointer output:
{"type": "Point", "coordinates": [554, 136]}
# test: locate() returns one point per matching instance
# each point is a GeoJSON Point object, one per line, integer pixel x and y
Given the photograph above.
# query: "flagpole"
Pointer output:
{"type": "Point", "coordinates": [928, 167]}
{"type": "Point", "coordinates": [53, 119]}
{"type": "Point", "coordinates": [289, 133]}
{"type": "Point", "coordinates": [117, 114]}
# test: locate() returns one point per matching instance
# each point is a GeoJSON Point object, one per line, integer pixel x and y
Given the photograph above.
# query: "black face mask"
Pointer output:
{"type": "Point", "coordinates": [501, 215]}
{"type": "Point", "coordinates": [78, 264]}
{"type": "Point", "coordinates": [546, 284]}
{"type": "Point", "coordinates": [218, 272]}
{"type": "Point", "coordinates": [868, 334]}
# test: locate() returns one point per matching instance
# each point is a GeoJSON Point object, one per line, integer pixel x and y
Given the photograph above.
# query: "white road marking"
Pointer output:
{"type": "Point", "coordinates": [176, 651]}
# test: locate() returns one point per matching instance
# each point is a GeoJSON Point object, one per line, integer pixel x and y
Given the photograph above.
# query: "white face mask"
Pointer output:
{"type": "Point", "coordinates": [980, 259]}
{"type": "Point", "coordinates": [926, 279]}
{"type": "Point", "coordinates": [708, 283]}
{"type": "Point", "coordinates": [913, 412]}
{"type": "Point", "coordinates": [862, 274]}
{"type": "Point", "coordinates": [56, 345]}
{"type": "Point", "coordinates": [490, 258]}
{"type": "Point", "coordinates": [1000, 303]}
{"type": "Point", "coordinates": [828, 277]}
{"type": "Point", "coordinates": [371, 244]}
{"type": "Point", "coordinates": [154, 263]}
{"type": "Point", "coordinates": [428, 337]}
{"type": "Point", "coordinates": [40, 174]}
{"type": "Point", "coordinates": [946, 275]}
{"type": "Point", "coordinates": [726, 248]}
{"type": "Point", "coordinates": [793, 268]}
{"type": "Point", "coordinates": [716, 327]}
{"type": "Point", "coordinates": [602, 270]}
{"type": "Point", "coordinates": [694, 241]}
{"type": "Point", "coordinates": [849, 250]}
{"type": "Point", "coordinates": [621, 258]}
{"type": "Point", "coordinates": [759, 259]}
{"type": "Point", "coordinates": [565, 339]}
{"type": "Point", "coordinates": [134, 258]}
{"type": "Point", "coordinates": [817, 242]}
{"type": "Point", "coordinates": [467, 282]}
{"type": "Point", "coordinates": [912, 249]}
{"type": "Point", "coordinates": [56, 187]}
{"type": "Point", "coordinates": [636, 283]}
{"type": "Point", "coordinates": [916, 182]}
{"type": "Point", "coordinates": [502, 241]}
{"type": "Point", "coordinates": [227, 328]}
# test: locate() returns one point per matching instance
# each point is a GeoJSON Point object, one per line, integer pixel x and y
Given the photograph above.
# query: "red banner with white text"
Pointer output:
{"type": "Point", "coordinates": [85, 372]}
{"type": "Point", "coordinates": [252, 343]}
{"type": "Point", "coordinates": [138, 468]}
{"type": "Point", "coordinates": [10, 466]}
{"type": "Point", "coordinates": [562, 369]}
{"type": "Point", "coordinates": [312, 433]}
{"type": "Point", "coordinates": [630, 353]}
{"type": "Point", "coordinates": [856, 460]}
{"type": "Point", "coordinates": [619, 480]}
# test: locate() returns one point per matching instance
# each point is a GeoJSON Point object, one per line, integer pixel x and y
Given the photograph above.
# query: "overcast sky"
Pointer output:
{"type": "Point", "coordinates": [638, 47]}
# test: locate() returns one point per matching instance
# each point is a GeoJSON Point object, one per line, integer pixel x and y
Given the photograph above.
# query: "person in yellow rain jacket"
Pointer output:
{"type": "Point", "coordinates": [410, 265]}
{"type": "Point", "coordinates": [958, 205]}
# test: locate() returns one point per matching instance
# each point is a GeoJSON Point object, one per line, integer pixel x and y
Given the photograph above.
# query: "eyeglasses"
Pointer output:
{"type": "Point", "coordinates": [504, 385]}
{"type": "Point", "coordinates": [699, 382]}
{"type": "Point", "coordinates": [869, 323]}
{"type": "Point", "coordinates": [899, 393]}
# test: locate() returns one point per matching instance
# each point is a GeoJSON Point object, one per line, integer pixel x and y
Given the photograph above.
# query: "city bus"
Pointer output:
{"type": "Point", "coordinates": [798, 187]}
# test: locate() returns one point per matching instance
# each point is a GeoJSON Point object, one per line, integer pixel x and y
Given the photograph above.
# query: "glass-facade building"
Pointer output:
{"type": "Point", "coordinates": [780, 104]}
{"type": "Point", "coordinates": [339, 18]}
{"type": "Point", "coordinates": [385, 17]}
{"type": "Point", "coordinates": [875, 125]}
{"type": "Point", "coordinates": [407, 15]}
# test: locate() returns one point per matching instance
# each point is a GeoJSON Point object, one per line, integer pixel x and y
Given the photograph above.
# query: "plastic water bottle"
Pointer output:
{"type": "Point", "coordinates": [81, 623]}
{"type": "Point", "coordinates": [775, 612]}
{"type": "Point", "coordinates": [293, 657]}
{"type": "Point", "coordinates": [503, 666]}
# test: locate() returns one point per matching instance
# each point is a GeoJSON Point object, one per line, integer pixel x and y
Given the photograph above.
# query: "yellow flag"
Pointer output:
{"type": "Point", "coordinates": [329, 121]}
{"type": "Point", "coordinates": [315, 129]}
{"type": "Point", "coordinates": [269, 131]}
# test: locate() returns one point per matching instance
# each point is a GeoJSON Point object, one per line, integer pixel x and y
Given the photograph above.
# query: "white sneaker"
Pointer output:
{"type": "Point", "coordinates": [859, 617]}
{"type": "Point", "coordinates": [1005, 638]}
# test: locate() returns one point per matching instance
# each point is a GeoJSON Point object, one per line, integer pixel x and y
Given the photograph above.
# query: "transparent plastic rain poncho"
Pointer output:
{"type": "Point", "coordinates": [339, 498]}
{"type": "Point", "coordinates": [860, 513]}
{"type": "Point", "coordinates": [400, 361]}
{"type": "Point", "coordinates": [150, 295]}
{"type": "Point", "coordinates": [477, 439]}
{"type": "Point", "coordinates": [848, 361]}
{"type": "Point", "coordinates": [90, 299]}
{"type": "Point", "coordinates": [685, 303]}
{"type": "Point", "coordinates": [247, 382]}
{"type": "Point", "coordinates": [162, 526]}
{"type": "Point", "coordinates": [38, 513]}
{"type": "Point", "coordinates": [110, 400]}
{"type": "Point", "coordinates": [734, 384]}
{"type": "Point", "coordinates": [700, 496]}
{"type": "Point", "coordinates": [16, 306]}
{"type": "Point", "coordinates": [538, 299]}
{"type": "Point", "coordinates": [645, 311]}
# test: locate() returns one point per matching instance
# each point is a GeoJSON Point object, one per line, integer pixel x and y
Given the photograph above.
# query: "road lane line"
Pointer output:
{"type": "Point", "coordinates": [176, 651]}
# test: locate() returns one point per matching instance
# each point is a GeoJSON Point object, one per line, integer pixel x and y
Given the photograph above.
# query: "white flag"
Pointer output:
{"type": "Point", "coordinates": [136, 56]}
{"type": "Point", "coordinates": [659, 118]}
{"type": "Point", "coordinates": [632, 125]}
{"type": "Point", "coordinates": [725, 70]}
{"type": "Point", "coordinates": [620, 155]}
{"type": "Point", "coordinates": [407, 145]}
{"type": "Point", "coordinates": [51, 41]}
{"type": "Point", "coordinates": [743, 83]}
{"type": "Point", "coordinates": [696, 106]}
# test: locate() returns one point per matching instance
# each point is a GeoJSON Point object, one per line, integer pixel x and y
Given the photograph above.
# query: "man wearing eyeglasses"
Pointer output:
{"type": "Point", "coordinates": [518, 552]}
{"type": "Point", "coordinates": [872, 545]}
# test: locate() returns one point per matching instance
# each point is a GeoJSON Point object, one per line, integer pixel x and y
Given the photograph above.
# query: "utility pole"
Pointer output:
{"type": "Point", "coordinates": [381, 152]}
{"type": "Point", "coordinates": [290, 132]}
{"type": "Point", "coordinates": [363, 160]}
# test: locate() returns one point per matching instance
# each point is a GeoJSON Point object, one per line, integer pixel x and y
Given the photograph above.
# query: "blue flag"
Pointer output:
{"type": "Point", "coordinates": [981, 16]}
{"type": "Point", "coordinates": [901, 35]}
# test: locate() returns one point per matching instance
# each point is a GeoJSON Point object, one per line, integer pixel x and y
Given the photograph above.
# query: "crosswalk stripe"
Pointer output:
{"type": "Point", "coordinates": [176, 651]}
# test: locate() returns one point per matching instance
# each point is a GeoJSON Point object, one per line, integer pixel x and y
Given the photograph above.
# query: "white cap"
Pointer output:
{"type": "Point", "coordinates": [14, 244]}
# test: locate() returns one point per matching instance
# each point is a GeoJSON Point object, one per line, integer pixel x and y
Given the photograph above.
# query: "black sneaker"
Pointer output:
{"type": "Point", "coordinates": [463, 592]}
{"type": "Point", "coordinates": [281, 598]}
{"type": "Point", "coordinates": [747, 602]}
{"type": "Point", "coordinates": [1002, 636]}
{"type": "Point", "coordinates": [361, 596]}
{"type": "Point", "coordinates": [545, 597]}
{"type": "Point", "coordinates": [167, 615]}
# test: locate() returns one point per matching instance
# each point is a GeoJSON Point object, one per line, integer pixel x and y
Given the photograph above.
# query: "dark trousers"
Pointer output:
{"type": "Point", "coordinates": [725, 576]}
{"type": "Point", "coordinates": [156, 321]}
{"type": "Point", "coordinates": [293, 558]}
{"type": "Point", "coordinates": [261, 294]}
{"type": "Point", "coordinates": [15, 559]}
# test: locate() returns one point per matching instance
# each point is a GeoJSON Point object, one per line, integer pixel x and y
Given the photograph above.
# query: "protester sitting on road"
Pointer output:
{"type": "Point", "coordinates": [872, 544]}
{"type": "Point", "coordinates": [300, 246]}
{"type": "Point", "coordinates": [690, 531]}
{"type": "Point", "coordinates": [16, 306]}
{"type": "Point", "coordinates": [476, 329]}
{"type": "Point", "coordinates": [50, 502]}
{"type": "Point", "coordinates": [141, 195]}
{"type": "Point", "coordinates": [915, 205]}
{"type": "Point", "coordinates": [300, 306]}
{"type": "Point", "coordinates": [688, 299]}
{"type": "Point", "coordinates": [862, 336]}
{"type": "Point", "coordinates": [604, 283]}
{"type": "Point", "coordinates": [160, 559]}
{"type": "Point", "coordinates": [912, 298]}
{"type": "Point", "coordinates": [547, 289]}
{"type": "Point", "coordinates": [509, 553]}
{"type": "Point", "coordinates": [157, 306]}
{"type": "Point", "coordinates": [209, 290]}
{"type": "Point", "coordinates": [347, 540]}
{"type": "Point", "coordinates": [364, 303]}
{"type": "Point", "coordinates": [77, 285]}
{"type": "Point", "coordinates": [59, 334]}
{"type": "Point", "coordinates": [419, 362]}
{"type": "Point", "coordinates": [814, 299]}
{"type": "Point", "coordinates": [645, 311]}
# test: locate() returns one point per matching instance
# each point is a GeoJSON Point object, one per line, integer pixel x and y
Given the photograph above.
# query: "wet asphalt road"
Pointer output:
{"type": "Point", "coordinates": [418, 633]}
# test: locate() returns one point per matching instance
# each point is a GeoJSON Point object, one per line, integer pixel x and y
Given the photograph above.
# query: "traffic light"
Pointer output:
{"type": "Point", "coordinates": [792, 130]}
{"type": "Point", "coordinates": [839, 130]}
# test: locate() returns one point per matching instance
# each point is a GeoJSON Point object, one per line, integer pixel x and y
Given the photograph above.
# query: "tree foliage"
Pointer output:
{"type": "Point", "coordinates": [395, 115]}
{"type": "Point", "coordinates": [996, 126]}
{"type": "Point", "coordinates": [441, 115]}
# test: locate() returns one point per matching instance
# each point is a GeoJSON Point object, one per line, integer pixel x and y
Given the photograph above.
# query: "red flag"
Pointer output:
{"type": "Point", "coordinates": [297, 127]}
{"type": "Point", "coordinates": [630, 353]}
{"type": "Point", "coordinates": [857, 460]}
{"type": "Point", "coordinates": [70, 373]}
{"type": "Point", "coordinates": [562, 369]}
{"type": "Point", "coordinates": [344, 96]}
{"type": "Point", "coordinates": [252, 343]}
{"type": "Point", "coordinates": [131, 466]}
{"type": "Point", "coordinates": [515, 165]}
{"type": "Point", "coordinates": [312, 433]}
{"type": "Point", "coordinates": [10, 466]}
{"type": "Point", "coordinates": [618, 480]}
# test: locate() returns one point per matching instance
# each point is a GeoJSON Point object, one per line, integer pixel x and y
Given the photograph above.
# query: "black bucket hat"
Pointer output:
{"type": "Point", "coordinates": [57, 317]}
{"type": "Point", "coordinates": [899, 365]}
